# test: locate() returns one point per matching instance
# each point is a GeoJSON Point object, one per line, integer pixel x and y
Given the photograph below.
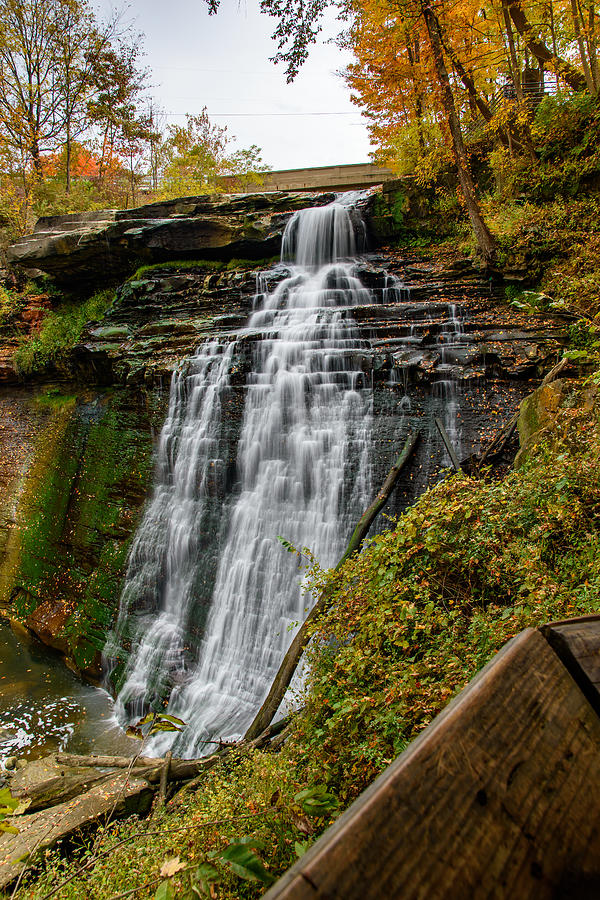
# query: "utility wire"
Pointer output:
{"type": "Point", "coordinates": [257, 115]}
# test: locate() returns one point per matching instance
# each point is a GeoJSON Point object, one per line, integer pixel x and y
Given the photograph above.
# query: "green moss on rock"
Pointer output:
{"type": "Point", "coordinates": [76, 517]}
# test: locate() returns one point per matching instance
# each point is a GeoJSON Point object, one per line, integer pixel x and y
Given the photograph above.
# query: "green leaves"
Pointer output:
{"type": "Point", "coordinates": [242, 860]}
{"type": "Point", "coordinates": [577, 355]}
{"type": "Point", "coordinates": [202, 877]}
{"type": "Point", "coordinates": [165, 891]}
{"type": "Point", "coordinates": [301, 848]}
{"type": "Point", "coordinates": [156, 722]}
{"type": "Point", "coordinates": [288, 546]}
{"type": "Point", "coordinates": [8, 805]}
{"type": "Point", "coordinates": [317, 801]}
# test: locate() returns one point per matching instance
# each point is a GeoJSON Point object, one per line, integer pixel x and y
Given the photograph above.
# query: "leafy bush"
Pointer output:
{"type": "Point", "coordinates": [60, 332]}
{"type": "Point", "coordinates": [415, 616]}
{"type": "Point", "coordinates": [8, 305]}
{"type": "Point", "coordinates": [566, 135]}
{"type": "Point", "coordinates": [50, 197]}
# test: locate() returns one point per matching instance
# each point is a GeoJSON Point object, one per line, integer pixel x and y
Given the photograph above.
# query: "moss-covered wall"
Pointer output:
{"type": "Point", "coordinates": [405, 211]}
{"type": "Point", "coordinates": [78, 507]}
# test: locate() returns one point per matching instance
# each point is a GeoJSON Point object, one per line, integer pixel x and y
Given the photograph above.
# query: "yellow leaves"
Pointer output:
{"type": "Point", "coordinates": [171, 866]}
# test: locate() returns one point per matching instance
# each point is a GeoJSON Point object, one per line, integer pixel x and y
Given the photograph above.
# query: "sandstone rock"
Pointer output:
{"type": "Point", "coordinates": [95, 246]}
{"type": "Point", "coordinates": [537, 416]}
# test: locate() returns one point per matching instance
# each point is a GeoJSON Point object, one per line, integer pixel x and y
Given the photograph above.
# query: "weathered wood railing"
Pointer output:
{"type": "Point", "coordinates": [498, 797]}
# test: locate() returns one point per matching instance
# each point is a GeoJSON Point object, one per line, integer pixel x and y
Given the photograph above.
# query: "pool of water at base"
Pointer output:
{"type": "Point", "coordinates": [44, 707]}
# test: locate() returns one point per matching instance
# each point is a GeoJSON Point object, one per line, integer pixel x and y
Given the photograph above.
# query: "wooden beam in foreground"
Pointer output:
{"type": "Point", "coordinates": [498, 798]}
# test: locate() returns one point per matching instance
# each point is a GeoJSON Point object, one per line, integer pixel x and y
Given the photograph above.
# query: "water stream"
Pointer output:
{"type": "Point", "coordinates": [44, 707]}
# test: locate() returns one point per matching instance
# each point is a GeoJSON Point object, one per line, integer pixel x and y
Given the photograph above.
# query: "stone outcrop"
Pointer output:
{"type": "Point", "coordinates": [541, 411]}
{"type": "Point", "coordinates": [95, 247]}
{"type": "Point", "coordinates": [158, 319]}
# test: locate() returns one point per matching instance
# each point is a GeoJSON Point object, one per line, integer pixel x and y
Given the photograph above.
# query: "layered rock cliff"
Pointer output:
{"type": "Point", "coordinates": [77, 446]}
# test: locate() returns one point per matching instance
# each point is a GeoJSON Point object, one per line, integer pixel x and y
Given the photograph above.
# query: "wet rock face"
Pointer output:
{"type": "Point", "coordinates": [427, 322]}
{"type": "Point", "coordinates": [156, 322]}
{"type": "Point", "coordinates": [86, 465]}
{"type": "Point", "coordinates": [94, 247]}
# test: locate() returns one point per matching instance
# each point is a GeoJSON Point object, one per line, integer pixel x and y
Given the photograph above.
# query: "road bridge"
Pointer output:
{"type": "Point", "coordinates": [321, 178]}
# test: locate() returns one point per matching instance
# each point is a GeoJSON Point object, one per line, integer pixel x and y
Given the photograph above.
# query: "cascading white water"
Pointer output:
{"type": "Point", "coordinates": [162, 566]}
{"type": "Point", "coordinates": [446, 390]}
{"type": "Point", "coordinates": [303, 473]}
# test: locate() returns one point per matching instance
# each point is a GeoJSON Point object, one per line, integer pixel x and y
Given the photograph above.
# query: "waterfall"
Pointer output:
{"type": "Point", "coordinates": [302, 472]}
{"type": "Point", "coordinates": [446, 390]}
{"type": "Point", "coordinates": [162, 567]}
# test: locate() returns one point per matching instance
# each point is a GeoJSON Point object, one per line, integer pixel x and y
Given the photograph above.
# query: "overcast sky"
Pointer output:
{"type": "Point", "coordinates": [222, 62]}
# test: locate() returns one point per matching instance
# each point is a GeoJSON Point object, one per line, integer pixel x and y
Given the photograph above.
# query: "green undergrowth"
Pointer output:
{"type": "Point", "coordinates": [13, 301]}
{"type": "Point", "coordinates": [202, 265]}
{"type": "Point", "coordinates": [60, 332]}
{"type": "Point", "coordinates": [555, 246]}
{"type": "Point", "coordinates": [11, 305]}
{"type": "Point", "coordinates": [411, 620]}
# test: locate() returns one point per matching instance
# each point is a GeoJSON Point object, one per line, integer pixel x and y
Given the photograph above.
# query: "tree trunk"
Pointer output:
{"type": "Point", "coordinates": [508, 139]}
{"type": "Point", "coordinates": [592, 48]}
{"type": "Point", "coordinates": [485, 241]}
{"type": "Point", "coordinates": [553, 34]}
{"type": "Point", "coordinates": [580, 43]}
{"type": "Point", "coordinates": [366, 520]}
{"type": "Point", "coordinates": [564, 69]}
{"type": "Point", "coordinates": [514, 60]}
{"type": "Point", "coordinates": [414, 59]}
{"type": "Point", "coordinates": [448, 444]}
{"type": "Point", "coordinates": [36, 159]}
{"type": "Point", "coordinates": [286, 670]}
{"type": "Point", "coordinates": [68, 161]}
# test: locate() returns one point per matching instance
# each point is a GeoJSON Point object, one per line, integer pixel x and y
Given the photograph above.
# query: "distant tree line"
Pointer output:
{"type": "Point", "coordinates": [78, 127]}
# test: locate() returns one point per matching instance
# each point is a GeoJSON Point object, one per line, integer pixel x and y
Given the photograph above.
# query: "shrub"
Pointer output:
{"type": "Point", "coordinates": [60, 332]}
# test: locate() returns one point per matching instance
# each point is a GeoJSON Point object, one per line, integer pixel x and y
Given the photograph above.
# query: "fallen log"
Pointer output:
{"type": "Point", "coordinates": [121, 794]}
{"type": "Point", "coordinates": [448, 444]}
{"type": "Point", "coordinates": [144, 766]}
{"type": "Point", "coordinates": [108, 762]}
{"type": "Point", "coordinates": [286, 671]}
{"type": "Point", "coordinates": [43, 783]}
{"type": "Point", "coordinates": [154, 768]}
{"type": "Point", "coordinates": [366, 520]}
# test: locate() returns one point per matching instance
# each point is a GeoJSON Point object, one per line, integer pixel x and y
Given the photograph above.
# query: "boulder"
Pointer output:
{"type": "Point", "coordinates": [537, 416]}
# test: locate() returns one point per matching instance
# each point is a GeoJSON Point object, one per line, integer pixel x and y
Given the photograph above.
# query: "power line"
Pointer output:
{"type": "Point", "coordinates": [272, 71]}
{"type": "Point", "coordinates": [212, 115]}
